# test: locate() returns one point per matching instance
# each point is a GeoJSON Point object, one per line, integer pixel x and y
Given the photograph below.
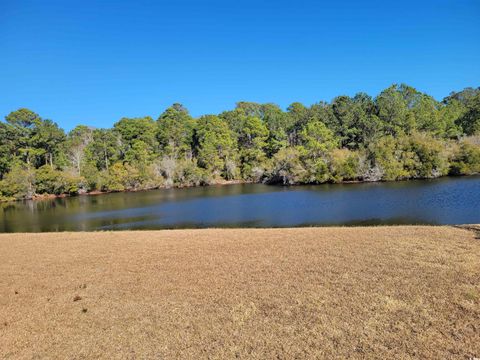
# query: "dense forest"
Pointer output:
{"type": "Point", "coordinates": [400, 134]}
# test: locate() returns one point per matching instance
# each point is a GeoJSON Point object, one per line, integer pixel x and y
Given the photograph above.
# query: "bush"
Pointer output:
{"type": "Point", "coordinates": [51, 181]}
{"type": "Point", "coordinates": [19, 183]}
{"type": "Point", "coordinates": [117, 175]}
{"type": "Point", "coordinates": [430, 158]}
{"type": "Point", "coordinates": [189, 174]}
{"type": "Point", "coordinates": [466, 160]}
{"type": "Point", "coordinates": [287, 168]}
{"type": "Point", "coordinates": [316, 170]}
{"type": "Point", "coordinates": [71, 183]}
{"type": "Point", "coordinates": [388, 156]}
{"type": "Point", "coordinates": [344, 165]}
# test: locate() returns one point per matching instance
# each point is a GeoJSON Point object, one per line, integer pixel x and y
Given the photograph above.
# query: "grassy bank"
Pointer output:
{"type": "Point", "coordinates": [383, 292]}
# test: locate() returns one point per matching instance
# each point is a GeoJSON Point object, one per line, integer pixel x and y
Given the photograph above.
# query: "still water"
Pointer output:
{"type": "Point", "coordinates": [440, 201]}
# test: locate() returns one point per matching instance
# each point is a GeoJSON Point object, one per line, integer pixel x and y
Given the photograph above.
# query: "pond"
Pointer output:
{"type": "Point", "coordinates": [441, 201]}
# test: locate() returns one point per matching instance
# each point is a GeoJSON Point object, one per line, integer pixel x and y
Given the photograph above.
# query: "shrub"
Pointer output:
{"type": "Point", "coordinates": [287, 168]}
{"type": "Point", "coordinates": [19, 183]}
{"type": "Point", "coordinates": [466, 160]}
{"type": "Point", "coordinates": [344, 165]}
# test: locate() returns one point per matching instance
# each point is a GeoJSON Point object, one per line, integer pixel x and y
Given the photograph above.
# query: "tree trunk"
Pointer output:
{"type": "Point", "coordinates": [106, 160]}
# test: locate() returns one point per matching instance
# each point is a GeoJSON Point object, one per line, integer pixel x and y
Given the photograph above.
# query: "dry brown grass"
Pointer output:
{"type": "Point", "coordinates": [385, 292]}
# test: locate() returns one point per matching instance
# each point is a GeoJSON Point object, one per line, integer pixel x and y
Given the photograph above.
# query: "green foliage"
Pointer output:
{"type": "Point", "coordinates": [427, 117]}
{"type": "Point", "coordinates": [117, 178]}
{"type": "Point", "coordinates": [466, 160]}
{"type": "Point", "coordinates": [75, 146]}
{"type": "Point", "coordinates": [215, 144]}
{"type": "Point", "coordinates": [252, 142]}
{"type": "Point", "coordinates": [353, 120]}
{"type": "Point", "coordinates": [23, 119]}
{"type": "Point", "coordinates": [393, 112]}
{"type": "Point", "coordinates": [417, 156]}
{"type": "Point", "coordinates": [298, 116]}
{"type": "Point", "coordinates": [402, 133]}
{"type": "Point", "coordinates": [450, 115]}
{"type": "Point", "coordinates": [32, 139]}
{"type": "Point", "coordinates": [19, 183]}
{"type": "Point", "coordinates": [188, 173]}
{"type": "Point", "coordinates": [103, 150]}
{"type": "Point", "coordinates": [430, 157]}
{"type": "Point", "coordinates": [93, 179]}
{"type": "Point", "coordinates": [70, 183]}
{"type": "Point", "coordinates": [46, 139]}
{"type": "Point", "coordinates": [388, 155]}
{"type": "Point", "coordinates": [47, 180]}
{"type": "Point", "coordinates": [7, 148]}
{"type": "Point", "coordinates": [316, 169]}
{"type": "Point", "coordinates": [132, 129]}
{"type": "Point", "coordinates": [317, 139]}
{"type": "Point", "coordinates": [51, 181]}
{"type": "Point", "coordinates": [175, 131]}
{"type": "Point", "coordinates": [277, 123]}
{"type": "Point", "coordinates": [288, 168]}
{"type": "Point", "coordinates": [138, 153]}
{"type": "Point", "coordinates": [344, 165]}
{"type": "Point", "coordinates": [470, 121]}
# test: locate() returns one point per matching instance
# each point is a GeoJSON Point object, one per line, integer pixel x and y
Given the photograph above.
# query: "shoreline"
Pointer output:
{"type": "Point", "coordinates": [41, 197]}
{"type": "Point", "coordinates": [472, 228]}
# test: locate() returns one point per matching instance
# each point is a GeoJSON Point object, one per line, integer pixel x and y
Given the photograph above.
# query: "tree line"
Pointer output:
{"type": "Point", "coordinates": [400, 134]}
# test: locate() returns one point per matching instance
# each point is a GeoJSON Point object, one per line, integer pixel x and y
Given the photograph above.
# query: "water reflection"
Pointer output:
{"type": "Point", "coordinates": [441, 201]}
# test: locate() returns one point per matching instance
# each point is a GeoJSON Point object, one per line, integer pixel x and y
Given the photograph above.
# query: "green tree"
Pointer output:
{"type": "Point", "coordinates": [298, 116]}
{"type": "Point", "coordinates": [317, 142]}
{"type": "Point", "coordinates": [47, 138]}
{"type": "Point", "coordinates": [77, 141]}
{"type": "Point", "coordinates": [175, 132]}
{"type": "Point", "coordinates": [103, 149]}
{"type": "Point", "coordinates": [356, 122]}
{"type": "Point", "coordinates": [450, 113]}
{"type": "Point", "coordinates": [393, 106]}
{"type": "Point", "coordinates": [400, 134]}
{"type": "Point", "coordinates": [252, 142]}
{"type": "Point", "coordinates": [133, 130]}
{"type": "Point", "coordinates": [8, 148]}
{"type": "Point", "coordinates": [317, 139]}
{"type": "Point", "coordinates": [215, 144]}
{"type": "Point", "coordinates": [470, 120]}
{"type": "Point", "coordinates": [427, 117]}
{"type": "Point", "coordinates": [23, 122]}
{"type": "Point", "coordinates": [277, 123]}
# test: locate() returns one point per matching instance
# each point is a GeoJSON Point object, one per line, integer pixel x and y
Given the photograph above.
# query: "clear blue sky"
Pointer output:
{"type": "Point", "coordinates": [92, 62]}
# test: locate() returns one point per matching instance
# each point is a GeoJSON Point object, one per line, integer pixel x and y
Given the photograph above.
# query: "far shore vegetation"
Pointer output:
{"type": "Point", "coordinates": [400, 134]}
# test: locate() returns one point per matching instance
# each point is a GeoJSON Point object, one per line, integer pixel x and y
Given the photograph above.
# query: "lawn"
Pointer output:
{"type": "Point", "coordinates": [364, 292]}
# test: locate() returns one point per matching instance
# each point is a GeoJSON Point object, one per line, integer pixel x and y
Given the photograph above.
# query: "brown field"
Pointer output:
{"type": "Point", "coordinates": [383, 292]}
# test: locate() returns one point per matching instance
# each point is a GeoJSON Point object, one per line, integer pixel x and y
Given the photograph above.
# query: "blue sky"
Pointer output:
{"type": "Point", "coordinates": [93, 62]}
